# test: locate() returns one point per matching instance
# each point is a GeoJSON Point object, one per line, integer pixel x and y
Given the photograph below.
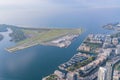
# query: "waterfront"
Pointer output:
{"type": "Point", "coordinates": [39, 61]}
{"type": "Point", "coordinates": [33, 61]}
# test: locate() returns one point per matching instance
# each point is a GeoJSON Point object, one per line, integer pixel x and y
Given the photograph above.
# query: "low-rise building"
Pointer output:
{"type": "Point", "coordinates": [84, 47]}
{"type": "Point", "coordinates": [59, 74]}
{"type": "Point", "coordinates": [116, 75]}
{"type": "Point", "coordinates": [71, 76]}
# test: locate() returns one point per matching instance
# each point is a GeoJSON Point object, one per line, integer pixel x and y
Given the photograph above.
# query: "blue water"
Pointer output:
{"type": "Point", "coordinates": [39, 61]}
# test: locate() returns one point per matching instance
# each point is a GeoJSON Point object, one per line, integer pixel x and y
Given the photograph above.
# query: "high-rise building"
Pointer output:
{"type": "Point", "coordinates": [109, 67]}
{"type": "Point", "coordinates": [117, 51]}
{"type": "Point", "coordinates": [102, 73]}
{"type": "Point", "coordinates": [108, 39]}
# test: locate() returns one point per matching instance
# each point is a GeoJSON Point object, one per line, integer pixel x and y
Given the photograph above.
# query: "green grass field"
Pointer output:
{"type": "Point", "coordinates": [41, 36]}
{"type": "Point", "coordinates": [48, 35]}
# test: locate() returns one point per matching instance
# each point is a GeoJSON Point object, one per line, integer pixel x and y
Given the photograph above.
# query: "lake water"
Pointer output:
{"type": "Point", "coordinates": [39, 61]}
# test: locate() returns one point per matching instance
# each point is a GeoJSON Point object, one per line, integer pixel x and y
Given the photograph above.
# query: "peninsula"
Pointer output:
{"type": "Point", "coordinates": [28, 37]}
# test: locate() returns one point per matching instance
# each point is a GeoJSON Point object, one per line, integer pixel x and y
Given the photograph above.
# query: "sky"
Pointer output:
{"type": "Point", "coordinates": [19, 11]}
{"type": "Point", "coordinates": [13, 4]}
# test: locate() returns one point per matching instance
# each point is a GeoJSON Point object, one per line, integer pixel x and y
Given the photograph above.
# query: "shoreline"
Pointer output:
{"type": "Point", "coordinates": [54, 37]}
{"type": "Point", "coordinates": [63, 43]}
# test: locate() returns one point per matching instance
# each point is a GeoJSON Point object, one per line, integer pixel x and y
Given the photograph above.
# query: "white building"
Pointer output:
{"type": "Point", "coordinates": [108, 39]}
{"type": "Point", "coordinates": [115, 41]}
{"type": "Point", "coordinates": [102, 73]}
{"type": "Point", "coordinates": [71, 76]}
{"type": "Point", "coordinates": [59, 74]}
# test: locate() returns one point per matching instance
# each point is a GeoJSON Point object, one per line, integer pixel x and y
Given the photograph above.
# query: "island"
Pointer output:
{"type": "Point", "coordinates": [28, 37]}
{"type": "Point", "coordinates": [112, 26]}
